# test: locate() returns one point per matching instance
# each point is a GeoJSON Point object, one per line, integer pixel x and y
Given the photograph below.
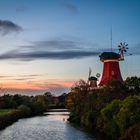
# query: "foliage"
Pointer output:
{"type": "Point", "coordinates": [9, 117]}
{"type": "Point", "coordinates": [111, 109]}
{"type": "Point", "coordinates": [25, 110]}
{"type": "Point", "coordinates": [120, 115]}
{"type": "Point", "coordinates": [108, 115]}
{"type": "Point", "coordinates": [132, 133]}
{"type": "Point", "coordinates": [6, 111]}
{"type": "Point", "coordinates": [13, 107]}
{"type": "Point", "coordinates": [129, 113]}
{"type": "Point", "coordinates": [75, 100]}
{"type": "Point", "coordinates": [133, 83]}
{"type": "Point", "coordinates": [28, 105]}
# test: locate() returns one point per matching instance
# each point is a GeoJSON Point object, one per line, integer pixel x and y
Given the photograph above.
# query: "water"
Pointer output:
{"type": "Point", "coordinates": [51, 126]}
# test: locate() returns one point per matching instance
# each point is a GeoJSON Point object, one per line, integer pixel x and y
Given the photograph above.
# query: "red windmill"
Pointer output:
{"type": "Point", "coordinates": [111, 69]}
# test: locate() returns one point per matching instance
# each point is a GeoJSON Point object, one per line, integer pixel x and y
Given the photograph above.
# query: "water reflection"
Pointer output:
{"type": "Point", "coordinates": [52, 126]}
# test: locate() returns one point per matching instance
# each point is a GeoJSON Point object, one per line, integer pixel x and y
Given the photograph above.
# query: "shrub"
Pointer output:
{"type": "Point", "coordinates": [129, 113]}
{"type": "Point", "coordinates": [108, 115]}
{"type": "Point", "coordinates": [132, 133]}
{"type": "Point", "coordinates": [25, 111]}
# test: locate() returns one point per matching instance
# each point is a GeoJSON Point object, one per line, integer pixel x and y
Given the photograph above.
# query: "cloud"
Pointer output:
{"type": "Point", "coordinates": [54, 45]}
{"type": "Point", "coordinates": [55, 55]}
{"type": "Point", "coordinates": [26, 77]}
{"type": "Point", "coordinates": [134, 50]}
{"type": "Point", "coordinates": [29, 75]}
{"type": "Point", "coordinates": [56, 87]}
{"type": "Point", "coordinates": [58, 45]}
{"type": "Point", "coordinates": [71, 7]}
{"type": "Point", "coordinates": [22, 79]}
{"type": "Point", "coordinates": [5, 76]}
{"type": "Point", "coordinates": [52, 49]}
{"type": "Point", "coordinates": [7, 27]}
{"type": "Point", "coordinates": [21, 8]}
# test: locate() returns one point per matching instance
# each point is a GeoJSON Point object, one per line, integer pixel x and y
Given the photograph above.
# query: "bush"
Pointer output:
{"type": "Point", "coordinates": [108, 115]}
{"type": "Point", "coordinates": [117, 116]}
{"type": "Point", "coordinates": [111, 109]}
{"type": "Point", "coordinates": [25, 111]}
{"type": "Point", "coordinates": [132, 133]}
{"type": "Point", "coordinates": [129, 113]}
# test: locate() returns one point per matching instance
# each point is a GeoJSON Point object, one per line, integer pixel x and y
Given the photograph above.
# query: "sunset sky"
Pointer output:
{"type": "Point", "coordinates": [47, 45]}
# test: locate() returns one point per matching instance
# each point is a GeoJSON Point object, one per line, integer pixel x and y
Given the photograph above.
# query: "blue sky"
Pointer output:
{"type": "Point", "coordinates": [50, 44]}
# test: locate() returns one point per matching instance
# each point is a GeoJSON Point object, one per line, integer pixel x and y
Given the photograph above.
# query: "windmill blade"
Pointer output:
{"type": "Point", "coordinates": [89, 72]}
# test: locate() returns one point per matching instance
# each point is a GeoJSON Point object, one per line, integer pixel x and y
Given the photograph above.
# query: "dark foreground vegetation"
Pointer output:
{"type": "Point", "coordinates": [14, 107]}
{"type": "Point", "coordinates": [113, 111]}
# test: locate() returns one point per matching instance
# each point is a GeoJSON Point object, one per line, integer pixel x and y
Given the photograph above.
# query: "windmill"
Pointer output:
{"type": "Point", "coordinates": [90, 71]}
{"type": "Point", "coordinates": [122, 47]}
{"type": "Point", "coordinates": [92, 81]}
{"type": "Point", "coordinates": [111, 69]}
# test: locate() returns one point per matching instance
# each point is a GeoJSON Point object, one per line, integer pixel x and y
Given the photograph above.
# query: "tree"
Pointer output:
{"type": "Point", "coordinates": [75, 100]}
{"type": "Point", "coordinates": [81, 85]}
{"type": "Point", "coordinates": [25, 110]}
{"type": "Point", "coordinates": [129, 113]}
{"type": "Point", "coordinates": [132, 133]}
{"type": "Point", "coordinates": [133, 83]}
{"type": "Point", "coordinates": [108, 115]}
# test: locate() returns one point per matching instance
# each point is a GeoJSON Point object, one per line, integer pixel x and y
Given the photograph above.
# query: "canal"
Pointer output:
{"type": "Point", "coordinates": [52, 125]}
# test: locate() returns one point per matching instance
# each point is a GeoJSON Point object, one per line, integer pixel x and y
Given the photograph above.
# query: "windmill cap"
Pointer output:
{"type": "Point", "coordinates": [92, 78]}
{"type": "Point", "coordinates": [109, 55]}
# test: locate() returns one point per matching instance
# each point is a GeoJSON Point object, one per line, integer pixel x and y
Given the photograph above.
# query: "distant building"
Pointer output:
{"type": "Point", "coordinates": [92, 82]}
{"type": "Point", "coordinates": [111, 69]}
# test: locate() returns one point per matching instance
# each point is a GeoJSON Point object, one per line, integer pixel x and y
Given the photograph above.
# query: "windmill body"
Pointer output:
{"type": "Point", "coordinates": [92, 82]}
{"type": "Point", "coordinates": [111, 69]}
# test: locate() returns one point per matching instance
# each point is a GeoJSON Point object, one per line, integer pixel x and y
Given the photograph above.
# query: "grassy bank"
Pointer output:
{"type": "Point", "coordinates": [9, 116]}
{"type": "Point", "coordinates": [6, 111]}
{"type": "Point", "coordinates": [14, 107]}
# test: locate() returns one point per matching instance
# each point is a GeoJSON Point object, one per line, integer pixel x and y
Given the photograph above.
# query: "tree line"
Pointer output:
{"type": "Point", "coordinates": [113, 110]}
{"type": "Point", "coordinates": [14, 107]}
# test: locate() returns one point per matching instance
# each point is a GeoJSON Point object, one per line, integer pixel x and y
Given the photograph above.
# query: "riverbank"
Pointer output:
{"type": "Point", "coordinates": [114, 110]}
{"type": "Point", "coordinates": [14, 107]}
{"type": "Point", "coordinates": [9, 116]}
{"type": "Point", "coordinates": [51, 126]}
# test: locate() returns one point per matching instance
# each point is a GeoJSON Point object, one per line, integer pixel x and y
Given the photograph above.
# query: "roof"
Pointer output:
{"type": "Point", "coordinates": [109, 55]}
{"type": "Point", "coordinates": [92, 78]}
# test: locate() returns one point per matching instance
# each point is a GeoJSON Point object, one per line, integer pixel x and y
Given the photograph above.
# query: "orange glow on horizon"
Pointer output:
{"type": "Point", "coordinates": [37, 85]}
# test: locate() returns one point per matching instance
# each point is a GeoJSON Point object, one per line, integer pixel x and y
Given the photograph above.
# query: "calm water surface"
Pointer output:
{"type": "Point", "coordinates": [51, 126]}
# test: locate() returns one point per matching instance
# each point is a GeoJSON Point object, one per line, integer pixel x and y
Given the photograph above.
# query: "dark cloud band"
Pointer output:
{"type": "Point", "coordinates": [7, 26]}
{"type": "Point", "coordinates": [56, 55]}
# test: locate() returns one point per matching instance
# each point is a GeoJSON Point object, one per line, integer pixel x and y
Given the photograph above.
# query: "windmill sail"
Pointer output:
{"type": "Point", "coordinates": [89, 72]}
